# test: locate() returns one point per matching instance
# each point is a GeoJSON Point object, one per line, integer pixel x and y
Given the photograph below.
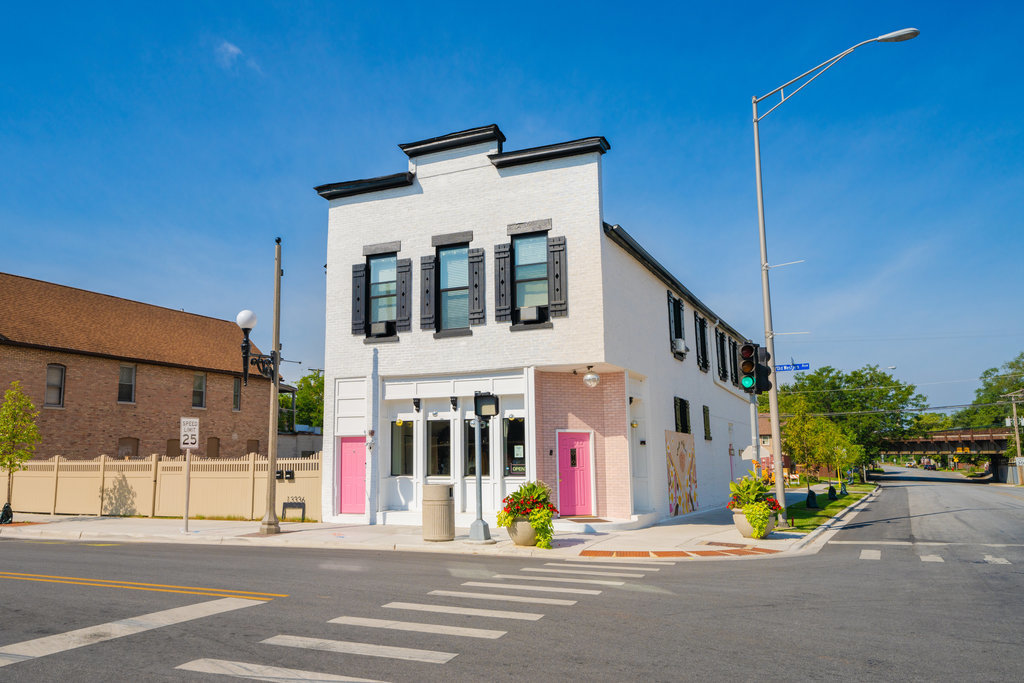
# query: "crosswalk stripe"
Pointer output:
{"type": "Point", "coordinates": [48, 645]}
{"type": "Point", "coordinates": [368, 649]}
{"type": "Point", "coordinates": [584, 572]}
{"type": "Point", "coordinates": [931, 558]}
{"type": "Point", "coordinates": [600, 566]}
{"type": "Point", "coordinates": [996, 560]}
{"type": "Point", "coordinates": [868, 554]}
{"type": "Point", "coordinates": [543, 589]}
{"type": "Point", "coordinates": [259, 672]}
{"type": "Point", "coordinates": [561, 579]}
{"type": "Point", "coordinates": [419, 627]}
{"type": "Point", "coordinates": [506, 598]}
{"type": "Point", "coordinates": [468, 611]}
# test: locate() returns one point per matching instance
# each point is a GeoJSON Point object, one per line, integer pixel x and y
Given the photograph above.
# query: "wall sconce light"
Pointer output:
{"type": "Point", "coordinates": [634, 424]}
{"type": "Point", "coordinates": [591, 378]}
{"type": "Point", "coordinates": [399, 422]}
{"type": "Point", "coordinates": [416, 404]}
{"type": "Point", "coordinates": [455, 402]}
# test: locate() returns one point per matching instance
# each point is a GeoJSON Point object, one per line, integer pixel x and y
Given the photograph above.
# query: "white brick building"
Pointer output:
{"type": "Point", "coordinates": [485, 270]}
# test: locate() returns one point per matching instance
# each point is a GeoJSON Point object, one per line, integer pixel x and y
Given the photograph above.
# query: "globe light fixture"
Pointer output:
{"type": "Point", "coordinates": [591, 379]}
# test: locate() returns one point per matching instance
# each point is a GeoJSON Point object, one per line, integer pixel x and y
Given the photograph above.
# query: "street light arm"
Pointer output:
{"type": "Point", "coordinates": [817, 71]}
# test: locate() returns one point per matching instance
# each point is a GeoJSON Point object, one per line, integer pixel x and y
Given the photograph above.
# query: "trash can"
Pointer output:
{"type": "Point", "coordinates": [438, 512]}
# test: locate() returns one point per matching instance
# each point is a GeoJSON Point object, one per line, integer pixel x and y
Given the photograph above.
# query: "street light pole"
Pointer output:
{"type": "Point", "coordinates": [769, 333]}
{"type": "Point", "coordinates": [269, 524]}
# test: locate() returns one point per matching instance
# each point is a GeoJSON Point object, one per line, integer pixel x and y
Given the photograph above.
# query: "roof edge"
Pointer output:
{"type": "Point", "coordinates": [556, 151]}
{"type": "Point", "coordinates": [350, 188]}
{"type": "Point", "coordinates": [633, 248]}
{"type": "Point", "coordinates": [462, 138]}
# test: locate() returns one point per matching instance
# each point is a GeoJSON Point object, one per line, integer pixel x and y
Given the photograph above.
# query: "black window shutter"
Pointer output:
{"type": "Point", "coordinates": [477, 305]}
{"type": "Point", "coordinates": [359, 298]}
{"type": "Point", "coordinates": [427, 318]}
{"type": "Point", "coordinates": [558, 302]}
{"type": "Point", "coordinates": [679, 413]}
{"type": "Point", "coordinates": [403, 318]}
{"type": "Point", "coordinates": [686, 416]}
{"type": "Point", "coordinates": [707, 423]}
{"type": "Point", "coordinates": [671, 320]}
{"type": "Point", "coordinates": [503, 282]}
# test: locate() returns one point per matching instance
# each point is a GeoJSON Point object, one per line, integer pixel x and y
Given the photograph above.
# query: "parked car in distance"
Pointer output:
{"type": "Point", "coordinates": [910, 463]}
{"type": "Point", "coordinates": [929, 466]}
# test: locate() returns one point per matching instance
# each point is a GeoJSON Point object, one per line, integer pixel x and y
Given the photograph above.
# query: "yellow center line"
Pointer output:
{"type": "Point", "coordinates": [135, 585]}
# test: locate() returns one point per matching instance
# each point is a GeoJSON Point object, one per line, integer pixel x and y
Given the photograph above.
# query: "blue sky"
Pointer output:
{"type": "Point", "coordinates": [154, 153]}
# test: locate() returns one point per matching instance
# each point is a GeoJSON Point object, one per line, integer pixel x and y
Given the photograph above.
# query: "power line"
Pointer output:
{"type": "Point", "coordinates": [905, 338]}
{"type": "Point", "coordinates": [904, 410]}
{"type": "Point", "coordinates": [787, 392]}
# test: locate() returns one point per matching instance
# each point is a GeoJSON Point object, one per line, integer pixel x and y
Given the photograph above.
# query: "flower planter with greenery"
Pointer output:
{"type": "Point", "coordinates": [530, 505]}
{"type": "Point", "coordinates": [753, 509]}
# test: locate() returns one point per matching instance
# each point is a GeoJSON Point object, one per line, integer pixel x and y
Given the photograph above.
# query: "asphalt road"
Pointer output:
{"type": "Point", "coordinates": [895, 612]}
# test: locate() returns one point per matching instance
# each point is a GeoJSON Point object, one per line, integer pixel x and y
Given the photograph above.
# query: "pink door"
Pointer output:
{"type": "Point", "coordinates": [352, 473]}
{"type": "Point", "coordinates": [574, 474]}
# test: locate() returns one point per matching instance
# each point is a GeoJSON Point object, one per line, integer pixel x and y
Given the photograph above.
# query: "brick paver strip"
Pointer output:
{"type": "Point", "coordinates": [710, 553]}
{"type": "Point", "coordinates": [597, 553]}
{"type": "Point", "coordinates": [632, 553]}
{"type": "Point", "coordinates": [738, 551]}
{"type": "Point", "coordinates": [764, 551]}
{"type": "Point", "coordinates": [670, 553]}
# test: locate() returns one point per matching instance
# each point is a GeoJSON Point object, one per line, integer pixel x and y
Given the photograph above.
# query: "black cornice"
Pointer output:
{"type": "Point", "coordinates": [354, 187]}
{"type": "Point", "coordinates": [556, 151]}
{"type": "Point", "coordinates": [633, 248]}
{"type": "Point", "coordinates": [463, 138]}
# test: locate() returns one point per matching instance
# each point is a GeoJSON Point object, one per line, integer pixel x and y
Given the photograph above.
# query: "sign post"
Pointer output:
{"type": "Point", "coordinates": [189, 440]}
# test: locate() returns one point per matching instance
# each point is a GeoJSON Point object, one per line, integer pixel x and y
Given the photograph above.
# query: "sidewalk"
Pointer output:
{"type": "Point", "coordinates": [700, 535]}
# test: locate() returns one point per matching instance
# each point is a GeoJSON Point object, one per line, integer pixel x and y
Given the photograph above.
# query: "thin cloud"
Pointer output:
{"type": "Point", "coordinates": [229, 55]}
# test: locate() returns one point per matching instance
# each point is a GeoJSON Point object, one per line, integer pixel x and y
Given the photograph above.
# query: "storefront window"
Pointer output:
{"type": "Point", "coordinates": [514, 432]}
{"type": "Point", "coordinates": [401, 448]}
{"type": "Point", "coordinates": [469, 448]}
{"type": "Point", "coordinates": [439, 448]}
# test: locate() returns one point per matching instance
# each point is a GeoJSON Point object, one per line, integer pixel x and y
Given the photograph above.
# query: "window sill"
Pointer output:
{"type": "Point", "coordinates": [458, 332]}
{"type": "Point", "coordinates": [679, 356]}
{"type": "Point", "coordinates": [381, 340]}
{"type": "Point", "coordinates": [519, 327]}
{"type": "Point", "coordinates": [54, 407]}
{"type": "Point", "coordinates": [198, 407]}
{"type": "Point", "coordinates": [126, 403]}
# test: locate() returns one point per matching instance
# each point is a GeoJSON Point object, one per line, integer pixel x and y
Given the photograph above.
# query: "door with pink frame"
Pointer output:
{"type": "Point", "coordinates": [574, 495]}
{"type": "Point", "coordinates": [352, 474]}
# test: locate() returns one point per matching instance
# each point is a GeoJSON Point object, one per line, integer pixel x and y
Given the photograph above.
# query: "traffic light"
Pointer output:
{"type": "Point", "coordinates": [748, 367]}
{"type": "Point", "coordinates": [763, 371]}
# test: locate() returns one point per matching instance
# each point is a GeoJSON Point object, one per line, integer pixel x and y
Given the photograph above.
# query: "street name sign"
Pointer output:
{"type": "Point", "coordinates": [794, 366]}
{"type": "Point", "coordinates": [189, 433]}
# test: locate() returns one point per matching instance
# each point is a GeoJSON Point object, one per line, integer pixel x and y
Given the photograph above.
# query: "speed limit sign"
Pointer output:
{"type": "Point", "coordinates": [189, 433]}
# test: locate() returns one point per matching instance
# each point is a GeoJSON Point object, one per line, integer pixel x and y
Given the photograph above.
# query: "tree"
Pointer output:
{"type": "Point", "coordinates": [995, 384]}
{"type": "Point", "coordinates": [18, 432]}
{"type": "Point", "coordinates": [815, 441]}
{"type": "Point", "coordinates": [309, 399]}
{"type": "Point", "coordinates": [930, 422]}
{"type": "Point", "coordinates": [869, 405]}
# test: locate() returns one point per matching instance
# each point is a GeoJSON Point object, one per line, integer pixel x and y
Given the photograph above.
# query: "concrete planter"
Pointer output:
{"type": "Point", "coordinates": [521, 532]}
{"type": "Point", "coordinates": [743, 526]}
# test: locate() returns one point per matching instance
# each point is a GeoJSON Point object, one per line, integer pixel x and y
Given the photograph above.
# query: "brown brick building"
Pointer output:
{"type": "Point", "coordinates": [115, 376]}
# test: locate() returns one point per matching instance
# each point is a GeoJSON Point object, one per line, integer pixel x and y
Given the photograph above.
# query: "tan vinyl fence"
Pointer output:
{"type": "Point", "coordinates": [155, 487]}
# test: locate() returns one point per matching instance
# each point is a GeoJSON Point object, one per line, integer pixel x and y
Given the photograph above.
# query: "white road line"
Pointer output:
{"type": "Point", "coordinates": [506, 598]}
{"type": "Point", "coordinates": [419, 627]}
{"type": "Point", "coordinates": [996, 560]}
{"type": "Point", "coordinates": [583, 572]}
{"type": "Point", "coordinates": [601, 566]}
{"type": "Point", "coordinates": [543, 589]}
{"type": "Point", "coordinates": [623, 560]}
{"type": "Point", "coordinates": [867, 554]}
{"type": "Point", "coordinates": [592, 582]}
{"type": "Point", "coordinates": [468, 611]}
{"type": "Point", "coordinates": [931, 558]}
{"type": "Point", "coordinates": [48, 645]}
{"type": "Point", "coordinates": [259, 672]}
{"type": "Point", "coordinates": [368, 649]}
{"type": "Point", "coordinates": [876, 543]}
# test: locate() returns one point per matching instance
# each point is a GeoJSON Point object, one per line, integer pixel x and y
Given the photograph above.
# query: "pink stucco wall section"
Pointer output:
{"type": "Point", "coordinates": [565, 403]}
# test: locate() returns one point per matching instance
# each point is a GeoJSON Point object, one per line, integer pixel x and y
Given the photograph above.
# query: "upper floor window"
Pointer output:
{"type": "Point", "coordinates": [530, 276]}
{"type": "Point", "coordinates": [530, 259]}
{"type": "Point", "coordinates": [199, 390]}
{"type": "Point", "coordinates": [454, 287]}
{"type": "Point", "coordinates": [700, 324]}
{"type": "Point", "coordinates": [236, 394]}
{"type": "Point", "coordinates": [54, 386]}
{"type": "Point", "coordinates": [734, 349]}
{"type": "Point", "coordinates": [676, 331]}
{"type": "Point", "coordinates": [383, 288]}
{"type": "Point", "coordinates": [126, 384]}
{"type": "Point", "coordinates": [722, 351]}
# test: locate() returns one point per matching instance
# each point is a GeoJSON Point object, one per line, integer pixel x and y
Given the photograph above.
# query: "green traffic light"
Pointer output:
{"type": "Point", "coordinates": [747, 382]}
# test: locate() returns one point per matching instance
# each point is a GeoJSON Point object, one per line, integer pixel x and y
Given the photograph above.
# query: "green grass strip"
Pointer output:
{"type": "Point", "coordinates": [806, 521]}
